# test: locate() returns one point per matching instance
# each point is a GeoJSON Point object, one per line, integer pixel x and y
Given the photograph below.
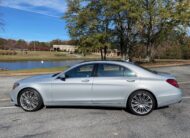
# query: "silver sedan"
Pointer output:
{"type": "Point", "coordinates": [99, 83]}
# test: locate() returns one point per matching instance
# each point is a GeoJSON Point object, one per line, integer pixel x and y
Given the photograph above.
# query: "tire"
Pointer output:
{"type": "Point", "coordinates": [141, 103]}
{"type": "Point", "coordinates": [30, 100]}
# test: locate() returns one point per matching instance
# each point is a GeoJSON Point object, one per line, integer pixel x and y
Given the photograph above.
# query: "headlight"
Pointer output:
{"type": "Point", "coordinates": [15, 85]}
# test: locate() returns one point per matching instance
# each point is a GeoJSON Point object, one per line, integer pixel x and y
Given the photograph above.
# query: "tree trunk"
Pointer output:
{"type": "Point", "coordinates": [152, 54]}
{"type": "Point", "coordinates": [101, 51]}
{"type": "Point", "coordinates": [149, 53]}
{"type": "Point", "coordinates": [105, 52]}
{"type": "Point", "coordinates": [122, 48]}
{"type": "Point", "coordinates": [128, 54]}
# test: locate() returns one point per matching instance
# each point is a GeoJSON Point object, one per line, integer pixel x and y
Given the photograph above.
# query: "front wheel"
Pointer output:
{"type": "Point", "coordinates": [141, 103]}
{"type": "Point", "coordinates": [30, 100]}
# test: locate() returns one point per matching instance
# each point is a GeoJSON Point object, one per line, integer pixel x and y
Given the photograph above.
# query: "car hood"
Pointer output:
{"type": "Point", "coordinates": [37, 78]}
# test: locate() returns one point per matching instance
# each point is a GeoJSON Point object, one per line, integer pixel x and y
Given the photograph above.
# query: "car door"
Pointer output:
{"type": "Point", "coordinates": [112, 84]}
{"type": "Point", "coordinates": [75, 88]}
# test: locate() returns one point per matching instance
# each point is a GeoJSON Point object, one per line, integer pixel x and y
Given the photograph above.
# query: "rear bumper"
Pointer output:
{"type": "Point", "coordinates": [171, 98]}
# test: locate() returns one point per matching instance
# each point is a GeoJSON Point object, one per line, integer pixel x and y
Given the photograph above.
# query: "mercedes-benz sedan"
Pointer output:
{"type": "Point", "coordinates": [99, 83]}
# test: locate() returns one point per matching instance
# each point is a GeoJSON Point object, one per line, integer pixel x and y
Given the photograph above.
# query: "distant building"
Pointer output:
{"type": "Point", "coordinates": [66, 48]}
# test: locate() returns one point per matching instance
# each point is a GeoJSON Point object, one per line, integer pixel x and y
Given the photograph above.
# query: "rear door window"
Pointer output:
{"type": "Point", "coordinates": [112, 70]}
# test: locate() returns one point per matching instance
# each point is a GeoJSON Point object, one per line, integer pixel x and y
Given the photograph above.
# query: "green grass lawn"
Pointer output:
{"type": "Point", "coordinates": [44, 55]}
{"type": "Point", "coordinates": [34, 71]}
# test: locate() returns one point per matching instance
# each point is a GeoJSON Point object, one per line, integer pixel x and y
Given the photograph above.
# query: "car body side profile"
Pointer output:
{"type": "Point", "coordinates": [99, 83]}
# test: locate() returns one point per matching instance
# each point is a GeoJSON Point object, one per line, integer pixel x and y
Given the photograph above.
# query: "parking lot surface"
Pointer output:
{"type": "Point", "coordinates": [86, 122]}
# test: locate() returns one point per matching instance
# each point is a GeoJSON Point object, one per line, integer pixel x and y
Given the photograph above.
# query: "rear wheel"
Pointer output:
{"type": "Point", "coordinates": [141, 103]}
{"type": "Point", "coordinates": [30, 100]}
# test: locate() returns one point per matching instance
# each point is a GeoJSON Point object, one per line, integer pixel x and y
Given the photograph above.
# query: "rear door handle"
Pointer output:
{"type": "Point", "coordinates": [131, 80]}
{"type": "Point", "coordinates": [86, 80]}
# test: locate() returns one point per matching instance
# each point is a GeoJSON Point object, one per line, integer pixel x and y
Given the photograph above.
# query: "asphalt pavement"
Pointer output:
{"type": "Point", "coordinates": [87, 122]}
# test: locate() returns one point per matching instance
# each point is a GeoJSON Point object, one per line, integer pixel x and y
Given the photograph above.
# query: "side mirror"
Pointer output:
{"type": "Point", "coordinates": [62, 77]}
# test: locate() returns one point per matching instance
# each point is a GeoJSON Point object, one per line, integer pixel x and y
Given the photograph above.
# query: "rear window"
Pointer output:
{"type": "Point", "coordinates": [112, 70]}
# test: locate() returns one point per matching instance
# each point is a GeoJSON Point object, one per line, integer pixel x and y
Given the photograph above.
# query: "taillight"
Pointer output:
{"type": "Point", "coordinates": [173, 82]}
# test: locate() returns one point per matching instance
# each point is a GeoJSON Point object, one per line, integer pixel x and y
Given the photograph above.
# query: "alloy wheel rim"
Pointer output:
{"type": "Point", "coordinates": [142, 103]}
{"type": "Point", "coordinates": [29, 100]}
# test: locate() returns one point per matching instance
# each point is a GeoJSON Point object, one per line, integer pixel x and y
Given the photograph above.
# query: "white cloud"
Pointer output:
{"type": "Point", "coordinates": [30, 5]}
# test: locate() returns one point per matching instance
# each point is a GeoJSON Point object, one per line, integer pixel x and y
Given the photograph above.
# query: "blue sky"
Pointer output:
{"type": "Point", "coordinates": [33, 19]}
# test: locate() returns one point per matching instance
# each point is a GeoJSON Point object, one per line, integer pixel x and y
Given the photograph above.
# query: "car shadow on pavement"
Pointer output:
{"type": "Point", "coordinates": [85, 107]}
{"type": "Point", "coordinates": [98, 107]}
{"type": "Point", "coordinates": [159, 108]}
{"type": "Point", "coordinates": [91, 107]}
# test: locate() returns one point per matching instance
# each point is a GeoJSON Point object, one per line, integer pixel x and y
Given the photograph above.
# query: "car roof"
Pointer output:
{"type": "Point", "coordinates": [107, 61]}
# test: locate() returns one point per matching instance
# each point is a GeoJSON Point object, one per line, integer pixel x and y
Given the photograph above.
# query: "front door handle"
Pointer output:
{"type": "Point", "coordinates": [131, 80]}
{"type": "Point", "coordinates": [86, 80]}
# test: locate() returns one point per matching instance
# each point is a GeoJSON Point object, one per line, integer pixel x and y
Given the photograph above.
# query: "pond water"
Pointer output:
{"type": "Point", "coordinates": [18, 65]}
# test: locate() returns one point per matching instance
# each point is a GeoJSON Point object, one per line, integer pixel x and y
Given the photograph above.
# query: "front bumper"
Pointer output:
{"type": "Point", "coordinates": [13, 96]}
{"type": "Point", "coordinates": [13, 102]}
